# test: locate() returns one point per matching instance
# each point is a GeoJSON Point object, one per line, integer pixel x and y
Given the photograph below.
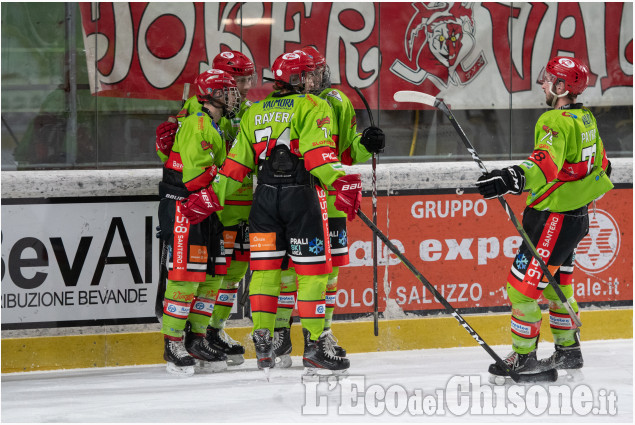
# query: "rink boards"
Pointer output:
{"type": "Point", "coordinates": [123, 349]}
{"type": "Point", "coordinates": [80, 259]}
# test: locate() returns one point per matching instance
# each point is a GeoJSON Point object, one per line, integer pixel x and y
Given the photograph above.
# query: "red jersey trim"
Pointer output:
{"type": "Point", "coordinates": [319, 156]}
{"type": "Point", "coordinates": [202, 180]}
{"type": "Point", "coordinates": [546, 194]}
{"type": "Point", "coordinates": [544, 161]}
{"type": "Point", "coordinates": [235, 170]}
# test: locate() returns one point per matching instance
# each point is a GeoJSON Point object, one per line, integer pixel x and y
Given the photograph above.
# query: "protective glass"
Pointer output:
{"type": "Point", "coordinates": [313, 81]}
{"type": "Point", "coordinates": [546, 77]}
{"type": "Point", "coordinates": [246, 79]}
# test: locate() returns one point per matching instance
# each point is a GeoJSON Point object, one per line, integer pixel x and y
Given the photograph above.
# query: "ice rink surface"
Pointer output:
{"type": "Point", "coordinates": [426, 386]}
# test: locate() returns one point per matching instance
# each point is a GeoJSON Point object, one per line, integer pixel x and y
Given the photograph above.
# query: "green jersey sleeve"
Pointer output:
{"type": "Point", "coordinates": [237, 205]}
{"type": "Point", "coordinates": [238, 166]}
{"type": "Point", "coordinates": [344, 125]}
{"type": "Point", "coordinates": [201, 150]}
{"type": "Point", "coordinates": [314, 143]}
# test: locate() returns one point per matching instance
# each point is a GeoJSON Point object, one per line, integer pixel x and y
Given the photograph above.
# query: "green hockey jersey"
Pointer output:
{"type": "Point", "coordinates": [238, 205]}
{"type": "Point", "coordinates": [344, 133]}
{"type": "Point", "coordinates": [566, 170]}
{"type": "Point", "coordinates": [301, 122]}
{"type": "Point", "coordinates": [198, 151]}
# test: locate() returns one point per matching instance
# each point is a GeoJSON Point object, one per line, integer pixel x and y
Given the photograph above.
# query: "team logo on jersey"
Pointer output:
{"type": "Point", "coordinates": [206, 145]}
{"type": "Point", "coordinates": [322, 122]}
{"type": "Point", "coordinates": [438, 40]}
{"type": "Point", "coordinates": [599, 249]}
{"type": "Point", "coordinates": [569, 114]}
{"type": "Point", "coordinates": [550, 131]}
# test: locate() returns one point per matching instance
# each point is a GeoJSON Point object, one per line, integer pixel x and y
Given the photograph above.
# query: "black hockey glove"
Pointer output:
{"type": "Point", "coordinates": [501, 182]}
{"type": "Point", "coordinates": [373, 139]}
{"type": "Point", "coordinates": [608, 170]}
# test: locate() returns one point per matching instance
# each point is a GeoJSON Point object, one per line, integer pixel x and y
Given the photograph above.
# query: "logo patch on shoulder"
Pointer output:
{"type": "Point", "coordinates": [334, 94]}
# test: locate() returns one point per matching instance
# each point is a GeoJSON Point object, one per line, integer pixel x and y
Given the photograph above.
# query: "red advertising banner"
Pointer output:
{"type": "Point", "coordinates": [476, 54]}
{"type": "Point", "coordinates": [465, 246]}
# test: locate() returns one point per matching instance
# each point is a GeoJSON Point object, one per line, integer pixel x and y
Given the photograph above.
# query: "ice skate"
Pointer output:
{"type": "Point", "coordinates": [525, 365]}
{"type": "Point", "coordinates": [282, 347]}
{"type": "Point", "coordinates": [210, 359]}
{"type": "Point", "coordinates": [320, 360]}
{"type": "Point", "coordinates": [180, 363]}
{"type": "Point", "coordinates": [339, 351]}
{"type": "Point", "coordinates": [221, 341]}
{"type": "Point", "coordinates": [568, 359]}
{"type": "Point", "coordinates": [265, 356]}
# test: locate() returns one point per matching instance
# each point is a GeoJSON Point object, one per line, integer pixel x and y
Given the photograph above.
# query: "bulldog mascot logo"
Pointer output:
{"type": "Point", "coordinates": [438, 40]}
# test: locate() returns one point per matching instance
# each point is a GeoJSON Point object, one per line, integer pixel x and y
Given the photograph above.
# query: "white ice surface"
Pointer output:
{"type": "Point", "coordinates": [147, 394]}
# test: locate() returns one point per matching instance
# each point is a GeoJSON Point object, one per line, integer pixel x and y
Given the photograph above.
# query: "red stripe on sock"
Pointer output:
{"type": "Point", "coordinates": [263, 303]}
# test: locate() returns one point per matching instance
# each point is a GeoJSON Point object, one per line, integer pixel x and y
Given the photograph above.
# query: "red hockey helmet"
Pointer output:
{"type": "Point", "coordinates": [234, 62]}
{"type": "Point", "coordinates": [318, 58]}
{"type": "Point", "coordinates": [571, 71]}
{"type": "Point", "coordinates": [323, 72]}
{"type": "Point", "coordinates": [239, 66]}
{"type": "Point", "coordinates": [292, 69]}
{"type": "Point", "coordinates": [218, 88]}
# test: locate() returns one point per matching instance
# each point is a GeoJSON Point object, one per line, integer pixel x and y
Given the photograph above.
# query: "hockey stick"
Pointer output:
{"type": "Point", "coordinates": [245, 293]}
{"type": "Point", "coordinates": [374, 198]}
{"type": "Point", "coordinates": [517, 377]}
{"type": "Point", "coordinates": [426, 99]}
{"type": "Point", "coordinates": [163, 247]}
{"type": "Point", "coordinates": [163, 275]}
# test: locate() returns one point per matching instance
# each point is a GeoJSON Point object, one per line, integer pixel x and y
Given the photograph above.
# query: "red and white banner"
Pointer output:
{"type": "Point", "coordinates": [473, 54]}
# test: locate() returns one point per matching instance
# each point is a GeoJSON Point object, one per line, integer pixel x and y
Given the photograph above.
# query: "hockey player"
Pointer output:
{"type": "Point", "coordinates": [235, 214]}
{"type": "Point", "coordinates": [351, 148]}
{"type": "Point", "coordinates": [190, 228]}
{"type": "Point", "coordinates": [567, 170]}
{"type": "Point", "coordinates": [286, 138]}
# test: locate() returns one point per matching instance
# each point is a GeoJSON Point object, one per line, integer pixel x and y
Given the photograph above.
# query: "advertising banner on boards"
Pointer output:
{"type": "Point", "coordinates": [92, 261]}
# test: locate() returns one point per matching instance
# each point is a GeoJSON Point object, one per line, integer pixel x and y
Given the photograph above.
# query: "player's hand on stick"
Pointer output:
{"type": "Point", "coordinates": [200, 205]}
{"type": "Point", "coordinates": [349, 194]}
{"type": "Point", "coordinates": [373, 139]}
{"type": "Point", "coordinates": [501, 182]}
{"type": "Point", "coordinates": [166, 132]}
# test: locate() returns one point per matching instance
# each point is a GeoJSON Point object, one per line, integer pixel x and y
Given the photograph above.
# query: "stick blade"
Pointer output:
{"type": "Point", "coordinates": [415, 97]}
